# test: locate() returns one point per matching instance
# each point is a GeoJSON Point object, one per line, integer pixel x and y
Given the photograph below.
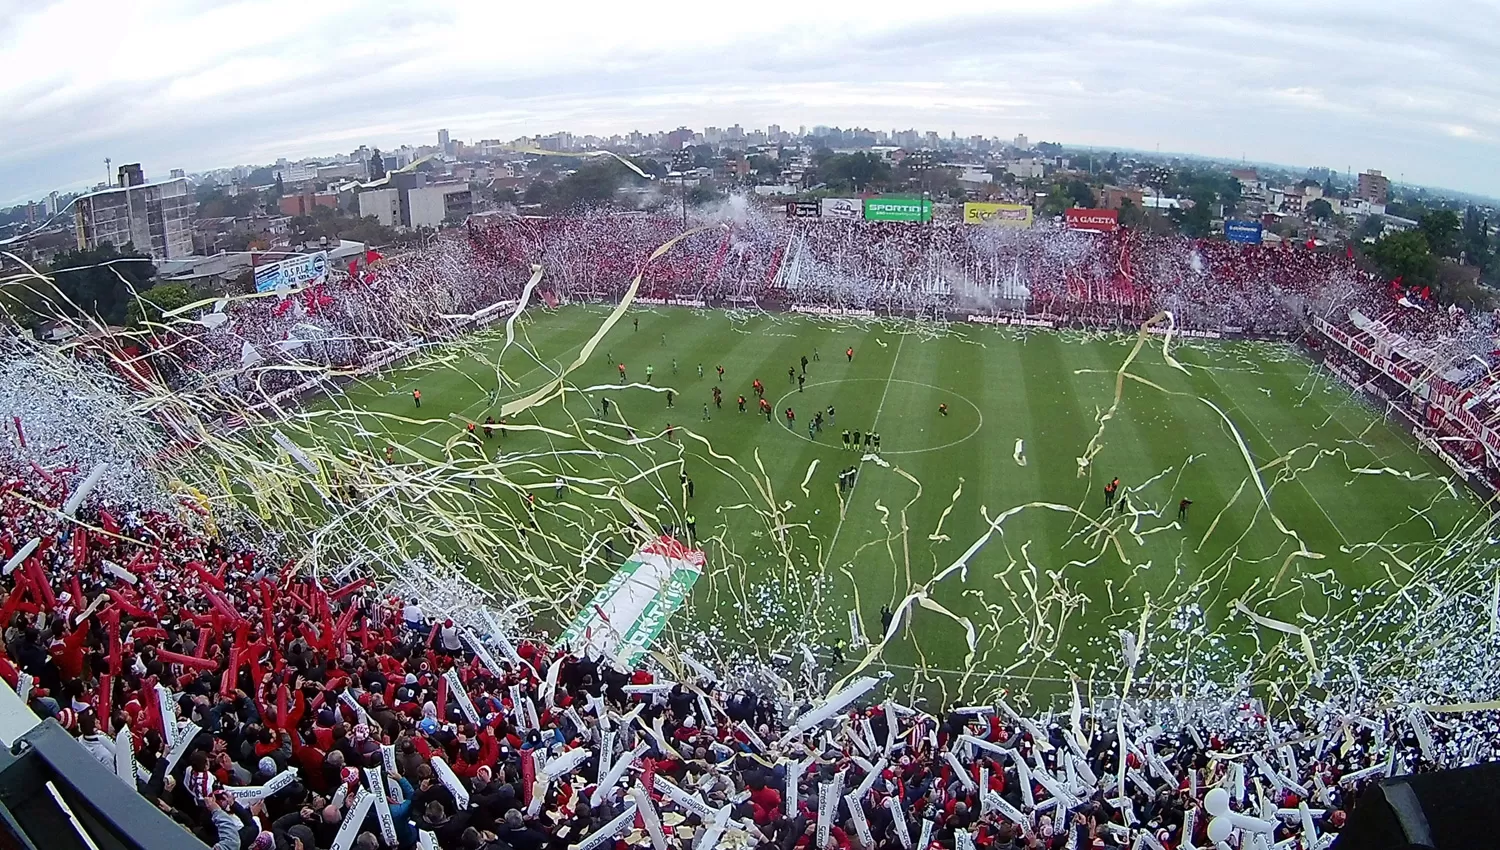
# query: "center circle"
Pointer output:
{"type": "Point", "coordinates": [795, 432]}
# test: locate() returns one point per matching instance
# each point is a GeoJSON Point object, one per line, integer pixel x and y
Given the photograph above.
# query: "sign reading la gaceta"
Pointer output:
{"type": "Point", "coordinates": [1102, 221]}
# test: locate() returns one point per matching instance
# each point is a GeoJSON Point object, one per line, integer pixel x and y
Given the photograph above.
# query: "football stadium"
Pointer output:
{"type": "Point", "coordinates": [763, 530]}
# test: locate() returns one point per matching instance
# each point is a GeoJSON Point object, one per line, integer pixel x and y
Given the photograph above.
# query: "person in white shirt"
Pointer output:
{"type": "Point", "coordinates": [448, 638]}
{"type": "Point", "coordinates": [98, 745]}
{"type": "Point", "coordinates": [412, 614]}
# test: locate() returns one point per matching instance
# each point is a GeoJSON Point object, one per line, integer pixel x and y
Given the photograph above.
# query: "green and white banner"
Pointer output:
{"type": "Point", "coordinates": [628, 613]}
{"type": "Point", "coordinates": [890, 208]}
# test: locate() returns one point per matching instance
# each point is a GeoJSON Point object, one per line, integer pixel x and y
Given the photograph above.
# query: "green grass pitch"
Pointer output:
{"type": "Point", "coordinates": [1047, 592]}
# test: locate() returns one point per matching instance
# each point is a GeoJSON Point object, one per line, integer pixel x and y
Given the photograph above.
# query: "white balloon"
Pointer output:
{"type": "Point", "coordinates": [1216, 802]}
{"type": "Point", "coordinates": [1219, 829]}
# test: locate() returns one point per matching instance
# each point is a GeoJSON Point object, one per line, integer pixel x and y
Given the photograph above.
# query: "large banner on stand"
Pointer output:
{"type": "Point", "coordinates": [293, 272]}
{"type": "Point", "coordinates": [997, 215]}
{"type": "Point", "coordinates": [842, 209]}
{"type": "Point", "coordinates": [628, 613]}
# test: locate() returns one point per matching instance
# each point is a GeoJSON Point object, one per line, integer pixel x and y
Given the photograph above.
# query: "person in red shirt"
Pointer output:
{"type": "Point", "coordinates": [765, 799]}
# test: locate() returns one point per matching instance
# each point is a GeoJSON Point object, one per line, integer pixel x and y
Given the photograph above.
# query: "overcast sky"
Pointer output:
{"type": "Point", "coordinates": [1409, 88]}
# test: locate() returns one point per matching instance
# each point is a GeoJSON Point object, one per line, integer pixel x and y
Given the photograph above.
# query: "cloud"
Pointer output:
{"type": "Point", "coordinates": [204, 84]}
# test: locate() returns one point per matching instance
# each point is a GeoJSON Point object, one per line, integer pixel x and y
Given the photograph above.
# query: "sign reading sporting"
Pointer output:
{"type": "Point", "coordinates": [1099, 221]}
{"type": "Point", "coordinates": [844, 209]}
{"type": "Point", "coordinates": [1241, 230]}
{"type": "Point", "coordinates": [803, 209]}
{"type": "Point", "coordinates": [628, 613]}
{"type": "Point", "coordinates": [292, 272]}
{"type": "Point", "coordinates": [997, 215]}
{"type": "Point", "coordinates": [898, 209]}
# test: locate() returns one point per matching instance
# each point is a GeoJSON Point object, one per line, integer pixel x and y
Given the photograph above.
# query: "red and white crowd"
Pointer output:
{"type": "Point", "coordinates": [261, 708]}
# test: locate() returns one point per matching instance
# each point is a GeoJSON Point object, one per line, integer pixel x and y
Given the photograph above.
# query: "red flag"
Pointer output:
{"type": "Point", "coordinates": [1311, 244]}
{"type": "Point", "coordinates": [372, 255]}
{"type": "Point", "coordinates": [1348, 251]}
{"type": "Point", "coordinates": [1426, 293]}
{"type": "Point", "coordinates": [354, 268]}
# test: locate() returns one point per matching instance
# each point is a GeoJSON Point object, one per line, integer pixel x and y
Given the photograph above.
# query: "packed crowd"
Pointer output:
{"type": "Point", "coordinates": [252, 347]}
{"type": "Point", "coordinates": [904, 268]}
{"type": "Point", "coordinates": [262, 709]}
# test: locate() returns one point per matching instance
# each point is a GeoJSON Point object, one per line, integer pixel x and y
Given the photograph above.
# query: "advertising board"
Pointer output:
{"type": "Point", "coordinates": [844, 209]}
{"type": "Point", "coordinates": [1243, 231]}
{"type": "Point", "coordinates": [293, 272]}
{"type": "Point", "coordinates": [803, 209]}
{"type": "Point", "coordinates": [898, 209]}
{"type": "Point", "coordinates": [997, 215]}
{"type": "Point", "coordinates": [1099, 221]}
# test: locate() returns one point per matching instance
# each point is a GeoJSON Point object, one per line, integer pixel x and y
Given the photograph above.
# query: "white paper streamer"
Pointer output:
{"type": "Point", "coordinates": [925, 841]}
{"type": "Point", "coordinates": [509, 649]}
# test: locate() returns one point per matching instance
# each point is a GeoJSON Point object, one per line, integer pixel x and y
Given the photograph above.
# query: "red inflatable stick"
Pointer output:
{"type": "Point", "coordinates": [186, 660]}
{"type": "Point", "coordinates": [351, 587]}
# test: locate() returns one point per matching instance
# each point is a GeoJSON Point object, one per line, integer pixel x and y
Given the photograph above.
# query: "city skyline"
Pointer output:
{"type": "Point", "coordinates": [1271, 83]}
